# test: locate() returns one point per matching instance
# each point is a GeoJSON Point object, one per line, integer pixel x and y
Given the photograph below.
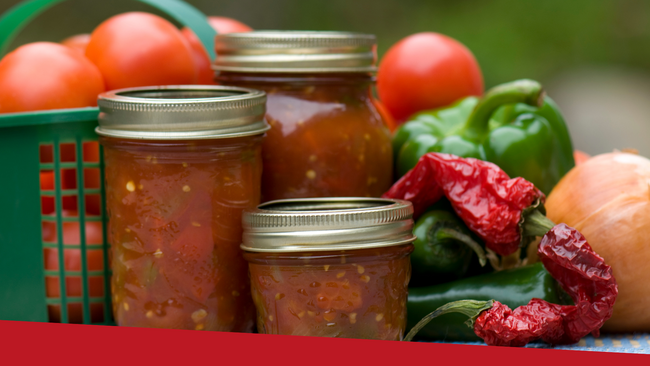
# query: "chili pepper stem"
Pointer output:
{"type": "Point", "coordinates": [520, 91]}
{"type": "Point", "coordinates": [451, 234]}
{"type": "Point", "coordinates": [537, 224]}
{"type": "Point", "coordinates": [471, 308]}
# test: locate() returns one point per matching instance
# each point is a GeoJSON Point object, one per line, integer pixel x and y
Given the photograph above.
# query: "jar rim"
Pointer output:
{"type": "Point", "coordinates": [326, 224]}
{"type": "Point", "coordinates": [271, 51]}
{"type": "Point", "coordinates": [182, 112]}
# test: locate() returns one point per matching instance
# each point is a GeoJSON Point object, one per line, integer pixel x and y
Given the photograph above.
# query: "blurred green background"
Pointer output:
{"type": "Point", "coordinates": [592, 55]}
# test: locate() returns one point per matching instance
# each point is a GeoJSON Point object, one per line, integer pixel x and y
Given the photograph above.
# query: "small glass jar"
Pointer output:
{"type": "Point", "coordinates": [327, 138]}
{"type": "Point", "coordinates": [330, 267]}
{"type": "Point", "coordinates": [181, 164]}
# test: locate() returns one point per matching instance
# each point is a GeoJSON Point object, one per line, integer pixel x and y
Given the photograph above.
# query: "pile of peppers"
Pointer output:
{"type": "Point", "coordinates": [507, 214]}
{"type": "Point", "coordinates": [515, 125]}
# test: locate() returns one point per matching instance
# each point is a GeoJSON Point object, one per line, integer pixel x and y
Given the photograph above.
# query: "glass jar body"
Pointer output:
{"type": "Point", "coordinates": [327, 138]}
{"type": "Point", "coordinates": [174, 210]}
{"type": "Point", "coordinates": [349, 294]}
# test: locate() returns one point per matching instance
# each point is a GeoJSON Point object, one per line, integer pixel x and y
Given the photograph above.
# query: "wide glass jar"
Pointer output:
{"type": "Point", "coordinates": [181, 164]}
{"type": "Point", "coordinates": [330, 267]}
{"type": "Point", "coordinates": [327, 138]}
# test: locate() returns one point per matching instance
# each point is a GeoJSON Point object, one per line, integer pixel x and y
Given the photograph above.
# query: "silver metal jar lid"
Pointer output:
{"type": "Point", "coordinates": [187, 112]}
{"type": "Point", "coordinates": [326, 224]}
{"type": "Point", "coordinates": [296, 52]}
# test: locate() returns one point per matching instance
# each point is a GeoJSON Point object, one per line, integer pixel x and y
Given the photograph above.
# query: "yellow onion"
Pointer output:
{"type": "Point", "coordinates": [607, 198]}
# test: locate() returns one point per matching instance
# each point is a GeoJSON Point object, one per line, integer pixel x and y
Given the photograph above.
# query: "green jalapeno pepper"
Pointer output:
{"type": "Point", "coordinates": [513, 287]}
{"type": "Point", "coordinates": [443, 249]}
{"type": "Point", "coordinates": [514, 126]}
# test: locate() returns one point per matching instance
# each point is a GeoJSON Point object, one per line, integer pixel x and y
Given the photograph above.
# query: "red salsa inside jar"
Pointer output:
{"type": "Point", "coordinates": [175, 231]}
{"type": "Point", "coordinates": [352, 294]}
{"type": "Point", "coordinates": [327, 138]}
{"type": "Point", "coordinates": [330, 267]}
{"type": "Point", "coordinates": [174, 213]}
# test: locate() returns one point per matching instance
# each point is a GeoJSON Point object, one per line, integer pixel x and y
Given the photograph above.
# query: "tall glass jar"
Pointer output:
{"type": "Point", "coordinates": [181, 164]}
{"type": "Point", "coordinates": [327, 138]}
{"type": "Point", "coordinates": [330, 267]}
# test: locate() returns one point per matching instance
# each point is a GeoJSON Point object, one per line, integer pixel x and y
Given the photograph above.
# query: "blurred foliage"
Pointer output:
{"type": "Point", "coordinates": [510, 38]}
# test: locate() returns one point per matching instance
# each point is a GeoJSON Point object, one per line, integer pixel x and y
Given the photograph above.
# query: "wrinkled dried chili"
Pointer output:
{"type": "Point", "coordinates": [505, 213]}
{"type": "Point", "coordinates": [581, 272]}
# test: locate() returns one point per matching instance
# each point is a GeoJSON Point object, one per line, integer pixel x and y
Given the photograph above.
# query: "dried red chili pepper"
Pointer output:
{"type": "Point", "coordinates": [506, 213]}
{"type": "Point", "coordinates": [581, 272]}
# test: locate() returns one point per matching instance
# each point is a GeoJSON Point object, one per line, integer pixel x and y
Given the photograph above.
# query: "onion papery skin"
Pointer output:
{"type": "Point", "coordinates": [607, 199]}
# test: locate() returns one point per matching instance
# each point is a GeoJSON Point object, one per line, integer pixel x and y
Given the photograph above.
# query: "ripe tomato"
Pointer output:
{"type": "Point", "coordinates": [222, 25]}
{"type": "Point", "coordinates": [580, 156]}
{"type": "Point", "coordinates": [47, 75]}
{"type": "Point", "coordinates": [425, 71]}
{"type": "Point", "coordinates": [77, 42]}
{"type": "Point", "coordinates": [72, 262]}
{"type": "Point", "coordinates": [385, 115]}
{"type": "Point", "coordinates": [141, 49]}
{"type": "Point", "coordinates": [225, 25]}
{"type": "Point", "coordinates": [47, 180]}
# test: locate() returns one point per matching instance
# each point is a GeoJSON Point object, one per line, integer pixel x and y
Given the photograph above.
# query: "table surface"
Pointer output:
{"type": "Point", "coordinates": [622, 343]}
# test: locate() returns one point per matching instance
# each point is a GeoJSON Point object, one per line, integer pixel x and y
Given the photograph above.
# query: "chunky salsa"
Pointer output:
{"type": "Point", "coordinates": [327, 138]}
{"type": "Point", "coordinates": [174, 210]}
{"type": "Point", "coordinates": [351, 294]}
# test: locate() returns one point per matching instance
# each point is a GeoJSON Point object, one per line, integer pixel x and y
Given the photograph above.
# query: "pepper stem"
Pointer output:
{"type": "Point", "coordinates": [518, 91]}
{"type": "Point", "coordinates": [537, 224]}
{"type": "Point", "coordinates": [447, 233]}
{"type": "Point", "coordinates": [471, 308]}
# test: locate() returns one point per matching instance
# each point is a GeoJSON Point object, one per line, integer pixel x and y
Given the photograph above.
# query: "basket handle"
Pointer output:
{"type": "Point", "coordinates": [16, 18]}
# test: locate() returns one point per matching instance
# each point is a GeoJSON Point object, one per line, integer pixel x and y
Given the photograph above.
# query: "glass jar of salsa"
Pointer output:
{"type": "Point", "coordinates": [181, 164]}
{"type": "Point", "coordinates": [327, 138]}
{"type": "Point", "coordinates": [330, 267]}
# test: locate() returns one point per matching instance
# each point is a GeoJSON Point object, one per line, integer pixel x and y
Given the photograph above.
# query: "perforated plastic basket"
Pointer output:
{"type": "Point", "coordinates": [53, 249]}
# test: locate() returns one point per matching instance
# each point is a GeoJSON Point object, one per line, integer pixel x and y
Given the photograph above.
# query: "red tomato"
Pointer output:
{"type": "Point", "coordinates": [47, 180]}
{"type": "Point", "coordinates": [580, 157]}
{"type": "Point", "coordinates": [72, 262]}
{"type": "Point", "coordinates": [222, 25]}
{"type": "Point", "coordinates": [385, 115]}
{"type": "Point", "coordinates": [77, 42]}
{"type": "Point", "coordinates": [425, 71]}
{"type": "Point", "coordinates": [225, 25]}
{"type": "Point", "coordinates": [91, 152]}
{"type": "Point", "coordinates": [75, 311]}
{"type": "Point", "coordinates": [47, 75]}
{"type": "Point", "coordinates": [141, 49]}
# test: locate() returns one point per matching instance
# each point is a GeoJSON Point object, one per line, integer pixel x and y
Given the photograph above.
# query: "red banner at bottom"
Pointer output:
{"type": "Point", "coordinates": [48, 344]}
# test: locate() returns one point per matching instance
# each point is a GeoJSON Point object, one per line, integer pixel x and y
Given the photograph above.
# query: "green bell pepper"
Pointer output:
{"type": "Point", "coordinates": [515, 125]}
{"type": "Point", "coordinates": [443, 248]}
{"type": "Point", "coordinates": [513, 287]}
